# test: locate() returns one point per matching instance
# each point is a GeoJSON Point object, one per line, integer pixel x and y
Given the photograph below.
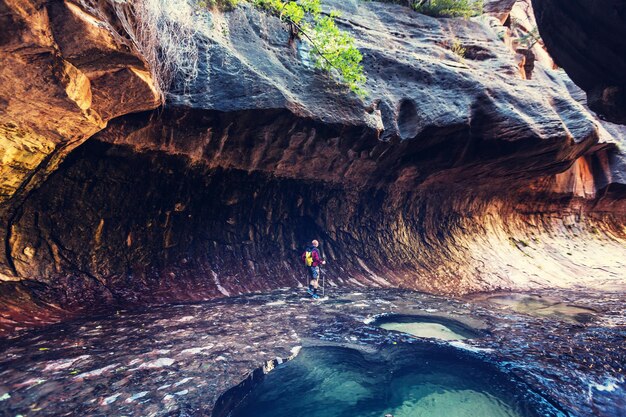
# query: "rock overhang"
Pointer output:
{"type": "Point", "coordinates": [444, 151]}
{"type": "Point", "coordinates": [408, 62]}
{"type": "Point", "coordinates": [587, 40]}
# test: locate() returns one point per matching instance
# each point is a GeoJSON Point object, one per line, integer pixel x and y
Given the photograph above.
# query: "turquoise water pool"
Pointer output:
{"type": "Point", "coordinates": [402, 381]}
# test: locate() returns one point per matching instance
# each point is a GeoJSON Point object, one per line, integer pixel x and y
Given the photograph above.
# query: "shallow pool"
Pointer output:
{"type": "Point", "coordinates": [405, 381]}
{"type": "Point", "coordinates": [430, 330]}
{"type": "Point", "coordinates": [544, 307]}
{"type": "Point", "coordinates": [433, 327]}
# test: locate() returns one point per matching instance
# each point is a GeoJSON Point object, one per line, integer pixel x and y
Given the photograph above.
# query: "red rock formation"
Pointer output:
{"type": "Point", "coordinates": [64, 74]}
{"type": "Point", "coordinates": [456, 175]}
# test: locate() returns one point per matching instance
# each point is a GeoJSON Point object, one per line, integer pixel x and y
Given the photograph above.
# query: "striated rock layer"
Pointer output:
{"type": "Point", "coordinates": [113, 227]}
{"type": "Point", "coordinates": [456, 174]}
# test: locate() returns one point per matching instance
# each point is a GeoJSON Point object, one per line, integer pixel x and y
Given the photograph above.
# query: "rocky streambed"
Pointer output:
{"type": "Point", "coordinates": [558, 354]}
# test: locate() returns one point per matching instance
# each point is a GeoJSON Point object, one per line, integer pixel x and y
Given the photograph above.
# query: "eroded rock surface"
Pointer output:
{"type": "Point", "coordinates": [455, 174]}
{"type": "Point", "coordinates": [111, 227]}
{"type": "Point", "coordinates": [420, 95]}
{"type": "Point", "coordinates": [65, 72]}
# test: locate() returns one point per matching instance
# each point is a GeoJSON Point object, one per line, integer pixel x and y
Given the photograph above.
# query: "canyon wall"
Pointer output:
{"type": "Point", "coordinates": [588, 39]}
{"type": "Point", "coordinates": [65, 72]}
{"type": "Point", "coordinates": [457, 173]}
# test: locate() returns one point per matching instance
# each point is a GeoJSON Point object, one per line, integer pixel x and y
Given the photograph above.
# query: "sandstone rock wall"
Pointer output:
{"type": "Point", "coordinates": [114, 227]}
{"type": "Point", "coordinates": [65, 72]}
{"type": "Point", "coordinates": [455, 174]}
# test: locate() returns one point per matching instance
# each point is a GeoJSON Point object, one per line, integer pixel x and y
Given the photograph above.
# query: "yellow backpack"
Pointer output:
{"type": "Point", "coordinates": [308, 258]}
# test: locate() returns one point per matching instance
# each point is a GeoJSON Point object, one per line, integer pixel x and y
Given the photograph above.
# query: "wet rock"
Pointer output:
{"type": "Point", "coordinates": [454, 175]}
{"type": "Point", "coordinates": [236, 221]}
{"type": "Point", "coordinates": [575, 366]}
{"type": "Point", "coordinates": [137, 396]}
{"type": "Point", "coordinates": [429, 326]}
{"type": "Point", "coordinates": [110, 399]}
{"type": "Point", "coordinates": [544, 307]}
{"type": "Point", "coordinates": [159, 363]}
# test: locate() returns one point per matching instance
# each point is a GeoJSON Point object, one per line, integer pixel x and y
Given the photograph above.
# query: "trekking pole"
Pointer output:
{"type": "Point", "coordinates": [323, 282]}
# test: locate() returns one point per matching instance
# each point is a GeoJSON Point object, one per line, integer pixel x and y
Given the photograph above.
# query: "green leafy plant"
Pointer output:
{"type": "Point", "coordinates": [333, 50]}
{"type": "Point", "coordinates": [449, 8]}
{"type": "Point", "coordinates": [527, 37]}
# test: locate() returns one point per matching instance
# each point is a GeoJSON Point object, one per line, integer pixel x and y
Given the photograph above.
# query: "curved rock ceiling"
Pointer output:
{"type": "Point", "coordinates": [455, 174]}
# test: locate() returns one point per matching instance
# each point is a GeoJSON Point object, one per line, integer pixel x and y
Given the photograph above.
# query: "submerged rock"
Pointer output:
{"type": "Point", "coordinates": [430, 326]}
{"type": "Point", "coordinates": [401, 380]}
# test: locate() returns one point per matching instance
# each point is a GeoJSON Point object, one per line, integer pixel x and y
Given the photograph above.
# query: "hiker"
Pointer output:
{"type": "Point", "coordinates": [312, 260]}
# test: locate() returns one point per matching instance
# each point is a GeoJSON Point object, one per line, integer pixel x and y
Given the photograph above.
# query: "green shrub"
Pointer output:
{"type": "Point", "coordinates": [526, 37]}
{"type": "Point", "coordinates": [333, 50]}
{"type": "Point", "coordinates": [449, 8]}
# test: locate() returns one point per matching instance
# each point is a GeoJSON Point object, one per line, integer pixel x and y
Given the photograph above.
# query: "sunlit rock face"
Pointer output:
{"type": "Point", "coordinates": [499, 9]}
{"type": "Point", "coordinates": [65, 72]}
{"type": "Point", "coordinates": [112, 227]}
{"type": "Point", "coordinates": [454, 175]}
{"type": "Point", "coordinates": [588, 39]}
